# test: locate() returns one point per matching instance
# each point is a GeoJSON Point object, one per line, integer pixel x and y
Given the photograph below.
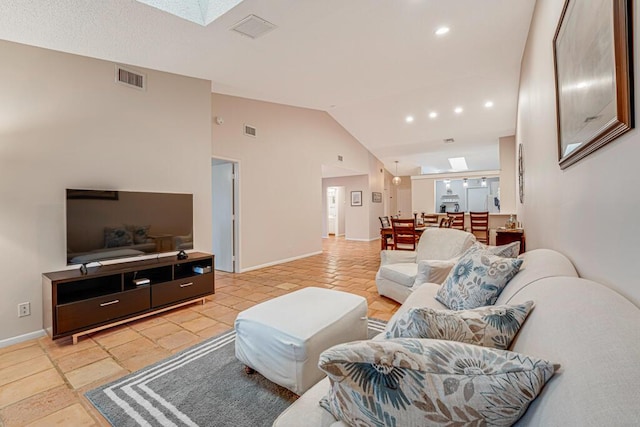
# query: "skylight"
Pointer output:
{"type": "Point", "coordinates": [458, 164]}
{"type": "Point", "coordinates": [202, 12]}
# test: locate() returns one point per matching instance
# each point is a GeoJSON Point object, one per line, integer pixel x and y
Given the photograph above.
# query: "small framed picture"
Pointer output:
{"type": "Point", "coordinates": [356, 198]}
{"type": "Point", "coordinates": [376, 197]}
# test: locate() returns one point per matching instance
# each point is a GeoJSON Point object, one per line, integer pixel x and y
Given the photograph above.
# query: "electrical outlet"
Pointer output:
{"type": "Point", "coordinates": [24, 309]}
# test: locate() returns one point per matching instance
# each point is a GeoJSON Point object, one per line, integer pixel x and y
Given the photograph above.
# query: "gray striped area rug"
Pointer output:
{"type": "Point", "coordinates": [204, 385]}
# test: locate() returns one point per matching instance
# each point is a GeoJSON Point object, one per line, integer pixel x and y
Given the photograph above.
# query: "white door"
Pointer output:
{"type": "Point", "coordinates": [223, 234]}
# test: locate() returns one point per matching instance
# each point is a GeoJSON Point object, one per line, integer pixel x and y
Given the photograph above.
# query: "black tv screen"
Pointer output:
{"type": "Point", "coordinates": [104, 225]}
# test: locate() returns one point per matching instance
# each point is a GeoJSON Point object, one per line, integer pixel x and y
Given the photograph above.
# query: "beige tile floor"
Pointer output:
{"type": "Point", "coordinates": [42, 382]}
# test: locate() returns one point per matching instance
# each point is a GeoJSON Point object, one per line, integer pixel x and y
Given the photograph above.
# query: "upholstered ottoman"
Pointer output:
{"type": "Point", "coordinates": [282, 338]}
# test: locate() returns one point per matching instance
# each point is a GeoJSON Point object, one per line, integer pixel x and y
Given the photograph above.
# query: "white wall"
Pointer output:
{"type": "Point", "coordinates": [281, 190]}
{"type": "Point", "coordinates": [508, 174]}
{"type": "Point", "coordinates": [589, 210]}
{"type": "Point", "coordinates": [65, 123]}
{"type": "Point", "coordinates": [402, 195]}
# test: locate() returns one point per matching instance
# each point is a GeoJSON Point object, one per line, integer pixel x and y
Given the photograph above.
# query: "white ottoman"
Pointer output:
{"type": "Point", "coordinates": [282, 338]}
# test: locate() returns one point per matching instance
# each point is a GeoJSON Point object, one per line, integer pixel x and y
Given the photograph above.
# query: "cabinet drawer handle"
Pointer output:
{"type": "Point", "coordinates": [184, 285]}
{"type": "Point", "coordinates": [104, 304]}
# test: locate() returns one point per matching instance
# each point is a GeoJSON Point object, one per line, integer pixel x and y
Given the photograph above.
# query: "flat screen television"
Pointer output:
{"type": "Point", "coordinates": [103, 225]}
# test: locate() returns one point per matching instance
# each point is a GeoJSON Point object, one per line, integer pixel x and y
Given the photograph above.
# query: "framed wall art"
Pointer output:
{"type": "Point", "coordinates": [593, 71]}
{"type": "Point", "coordinates": [376, 197]}
{"type": "Point", "coordinates": [356, 198]}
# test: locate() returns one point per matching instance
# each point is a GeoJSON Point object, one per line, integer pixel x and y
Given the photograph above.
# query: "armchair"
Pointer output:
{"type": "Point", "coordinates": [437, 252]}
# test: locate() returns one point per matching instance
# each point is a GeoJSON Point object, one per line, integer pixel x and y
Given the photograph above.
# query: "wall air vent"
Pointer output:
{"type": "Point", "coordinates": [253, 27]}
{"type": "Point", "coordinates": [250, 130]}
{"type": "Point", "coordinates": [449, 141]}
{"type": "Point", "coordinates": [339, 158]}
{"type": "Point", "coordinates": [131, 78]}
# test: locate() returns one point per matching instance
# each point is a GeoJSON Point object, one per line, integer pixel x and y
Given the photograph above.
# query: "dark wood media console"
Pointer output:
{"type": "Point", "coordinates": [77, 304]}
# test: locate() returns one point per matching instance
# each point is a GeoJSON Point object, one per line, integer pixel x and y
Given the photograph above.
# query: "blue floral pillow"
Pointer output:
{"type": "Point", "coordinates": [477, 280]}
{"type": "Point", "coordinates": [492, 326]}
{"type": "Point", "coordinates": [510, 250]}
{"type": "Point", "coordinates": [417, 382]}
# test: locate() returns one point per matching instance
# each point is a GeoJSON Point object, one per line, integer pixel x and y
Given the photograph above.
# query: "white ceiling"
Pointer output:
{"type": "Point", "coordinates": [368, 63]}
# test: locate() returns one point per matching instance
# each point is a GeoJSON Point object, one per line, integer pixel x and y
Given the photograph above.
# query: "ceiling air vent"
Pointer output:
{"type": "Point", "coordinates": [131, 78]}
{"type": "Point", "coordinates": [250, 130]}
{"type": "Point", "coordinates": [449, 141]}
{"type": "Point", "coordinates": [253, 27]}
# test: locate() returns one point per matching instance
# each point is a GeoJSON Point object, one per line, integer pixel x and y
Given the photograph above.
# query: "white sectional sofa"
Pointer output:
{"type": "Point", "coordinates": [403, 271]}
{"type": "Point", "coordinates": [589, 329]}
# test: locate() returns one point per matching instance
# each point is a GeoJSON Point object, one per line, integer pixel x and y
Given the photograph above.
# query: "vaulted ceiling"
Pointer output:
{"type": "Point", "coordinates": [369, 63]}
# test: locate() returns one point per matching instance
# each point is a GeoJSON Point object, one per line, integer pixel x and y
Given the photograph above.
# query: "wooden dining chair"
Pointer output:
{"type": "Point", "coordinates": [480, 226]}
{"type": "Point", "coordinates": [387, 236]}
{"type": "Point", "coordinates": [430, 219]}
{"type": "Point", "coordinates": [405, 236]}
{"type": "Point", "coordinates": [384, 222]}
{"type": "Point", "coordinates": [458, 220]}
{"type": "Point", "coordinates": [446, 222]}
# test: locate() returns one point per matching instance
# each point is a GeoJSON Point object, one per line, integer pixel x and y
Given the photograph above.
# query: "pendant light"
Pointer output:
{"type": "Point", "coordinates": [396, 179]}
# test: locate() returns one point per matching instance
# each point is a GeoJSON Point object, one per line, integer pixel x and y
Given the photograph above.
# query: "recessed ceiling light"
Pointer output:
{"type": "Point", "coordinates": [433, 114]}
{"type": "Point", "coordinates": [458, 110]}
{"type": "Point", "coordinates": [458, 164]}
{"type": "Point", "coordinates": [442, 31]}
{"type": "Point", "coordinates": [409, 119]}
{"type": "Point", "coordinates": [488, 104]}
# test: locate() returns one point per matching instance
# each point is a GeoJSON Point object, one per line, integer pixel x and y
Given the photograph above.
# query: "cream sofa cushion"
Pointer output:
{"type": "Point", "coordinates": [403, 273]}
{"type": "Point", "coordinates": [443, 243]}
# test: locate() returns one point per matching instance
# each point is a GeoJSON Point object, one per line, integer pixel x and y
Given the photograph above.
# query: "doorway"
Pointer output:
{"type": "Point", "coordinates": [224, 200]}
{"type": "Point", "coordinates": [335, 211]}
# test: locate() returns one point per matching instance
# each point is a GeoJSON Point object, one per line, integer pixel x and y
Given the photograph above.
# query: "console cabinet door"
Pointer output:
{"type": "Point", "coordinates": [95, 311]}
{"type": "Point", "coordinates": [181, 290]}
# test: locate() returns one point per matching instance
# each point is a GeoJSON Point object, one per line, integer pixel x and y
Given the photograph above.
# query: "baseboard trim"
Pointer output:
{"type": "Point", "coordinates": [362, 240]}
{"type": "Point", "coordinates": [282, 261]}
{"type": "Point", "coordinates": [21, 338]}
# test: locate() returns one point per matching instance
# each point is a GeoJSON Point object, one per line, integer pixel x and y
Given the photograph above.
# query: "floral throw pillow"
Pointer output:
{"type": "Point", "coordinates": [510, 250]}
{"type": "Point", "coordinates": [476, 280]}
{"type": "Point", "coordinates": [492, 326]}
{"type": "Point", "coordinates": [417, 382]}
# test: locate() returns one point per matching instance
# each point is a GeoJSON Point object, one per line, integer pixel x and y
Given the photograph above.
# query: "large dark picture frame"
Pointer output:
{"type": "Point", "coordinates": [594, 76]}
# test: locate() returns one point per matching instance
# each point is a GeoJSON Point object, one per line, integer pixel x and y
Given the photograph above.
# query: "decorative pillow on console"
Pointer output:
{"type": "Point", "coordinates": [476, 280]}
{"type": "Point", "coordinates": [140, 233]}
{"type": "Point", "coordinates": [115, 237]}
{"type": "Point", "coordinates": [416, 382]}
{"type": "Point", "coordinates": [510, 250]}
{"type": "Point", "coordinates": [492, 326]}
